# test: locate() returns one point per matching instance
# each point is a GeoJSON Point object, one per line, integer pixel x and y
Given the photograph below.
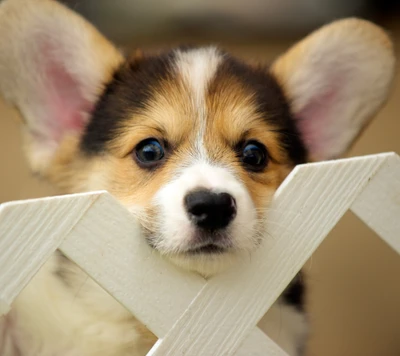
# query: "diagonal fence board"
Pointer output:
{"type": "Point", "coordinates": [121, 265]}
{"type": "Point", "coordinates": [218, 317]}
{"type": "Point", "coordinates": [108, 245]}
{"type": "Point", "coordinates": [379, 205]}
{"type": "Point", "coordinates": [30, 231]}
{"type": "Point", "coordinates": [319, 194]}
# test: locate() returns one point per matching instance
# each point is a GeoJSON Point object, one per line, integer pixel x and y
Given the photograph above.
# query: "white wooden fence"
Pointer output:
{"type": "Point", "coordinates": [189, 315]}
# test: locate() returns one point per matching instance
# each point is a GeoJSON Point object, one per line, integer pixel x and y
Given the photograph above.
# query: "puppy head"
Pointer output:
{"type": "Point", "coordinates": [193, 141]}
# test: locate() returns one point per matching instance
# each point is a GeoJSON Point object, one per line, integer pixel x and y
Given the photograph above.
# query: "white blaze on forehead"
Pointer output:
{"type": "Point", "coordinates": [197, 67]}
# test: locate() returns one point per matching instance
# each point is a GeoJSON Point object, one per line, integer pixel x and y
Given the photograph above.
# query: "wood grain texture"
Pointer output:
{"type": "Point", "coordinates": [30, 231]}
{"type": "Point", "coordinates": [379, 204]}
{"type": "Point", "coordinates": [107, 243]}
{"type": "Point", "coordinates": [305, 208]}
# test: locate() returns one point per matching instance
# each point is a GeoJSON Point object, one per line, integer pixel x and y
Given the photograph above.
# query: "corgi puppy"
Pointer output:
{"type": "Point", "coordinates": [192, 141]}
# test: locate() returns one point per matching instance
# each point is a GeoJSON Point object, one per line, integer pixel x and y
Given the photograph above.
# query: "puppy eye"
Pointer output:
{"type": "Point", "coordinates": [254, 156]}
{"type": "Point", "coordinates": [149, 152]}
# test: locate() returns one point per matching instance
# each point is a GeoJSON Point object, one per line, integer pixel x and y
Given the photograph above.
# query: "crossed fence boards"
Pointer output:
{"type": "Point", "coordinates": [189, 315]}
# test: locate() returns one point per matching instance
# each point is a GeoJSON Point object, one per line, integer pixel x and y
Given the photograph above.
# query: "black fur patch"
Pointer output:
{"type": "Point", "coordinates": [270, 100]}
{"type": "Point", "coordinates": [294, 293]}
{"type": "Point", "coordinates": [129, 91]}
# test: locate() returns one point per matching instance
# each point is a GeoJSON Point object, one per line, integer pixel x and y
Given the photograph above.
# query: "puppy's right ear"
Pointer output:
{"type": "Point", "coordinates": [53, 67]}
{"type": "Point", "coordinates": [336, 79]}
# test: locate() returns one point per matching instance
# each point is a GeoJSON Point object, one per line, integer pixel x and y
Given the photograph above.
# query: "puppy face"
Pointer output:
{"type": "Point", "coordinates": [193, 142]}
{"type": "Point", "coordinates": [199, 156]}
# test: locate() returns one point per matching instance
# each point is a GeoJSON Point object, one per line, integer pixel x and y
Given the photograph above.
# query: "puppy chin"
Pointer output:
{"type": "Point", "coordinates": [202, 262]}
{"type": "Point", "coordinates": [207, 265]}
{"type": "Point", "coordinates": [180, 247]}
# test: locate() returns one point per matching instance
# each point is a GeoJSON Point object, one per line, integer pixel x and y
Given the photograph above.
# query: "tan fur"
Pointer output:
{"type": "Point", "coordinates": [233, 118]}
{"type": "Point", "coordinates": [372, 34]}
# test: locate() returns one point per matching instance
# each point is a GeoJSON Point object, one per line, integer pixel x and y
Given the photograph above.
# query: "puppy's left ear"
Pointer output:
{"type": "Point", "coordinates": [53, 67]}
{"type": "Point", "coordinates": [336, 79]}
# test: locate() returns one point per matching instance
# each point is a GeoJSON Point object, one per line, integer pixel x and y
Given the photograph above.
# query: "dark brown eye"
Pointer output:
{"type": "Point", "coordinates": [149, 152]}
{"type": "Point", "coordinates": [254, 156]}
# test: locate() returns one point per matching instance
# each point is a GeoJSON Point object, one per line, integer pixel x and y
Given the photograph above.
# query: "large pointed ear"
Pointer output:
{"type": "Point", "coordinates": [336, 79]}
{"type": "Point", "coordinates": [53, 66]}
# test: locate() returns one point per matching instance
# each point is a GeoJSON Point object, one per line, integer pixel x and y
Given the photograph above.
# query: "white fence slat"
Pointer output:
{"type": "Point", "coordinates": [108, 245]}
{"type": "Point", "coordinates": [233, 302]}
{"type": "Point", "coordinates": [31, 231]}
{"type": "Point", "coordinates": [379, 204]}
{"type": "Point", "coordinates": [257, 344]}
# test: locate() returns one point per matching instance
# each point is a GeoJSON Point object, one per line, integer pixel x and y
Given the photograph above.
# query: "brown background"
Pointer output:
{"type": "Point", "coordinates": [354, 284]}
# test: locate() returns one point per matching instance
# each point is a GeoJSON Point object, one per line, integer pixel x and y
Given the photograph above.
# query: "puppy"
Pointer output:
{"type": "Point", "coordinates": [192, 141]}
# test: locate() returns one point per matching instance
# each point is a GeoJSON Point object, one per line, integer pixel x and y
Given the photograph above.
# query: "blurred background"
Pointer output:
{"type": "Point", "coordinates": [353, 278]}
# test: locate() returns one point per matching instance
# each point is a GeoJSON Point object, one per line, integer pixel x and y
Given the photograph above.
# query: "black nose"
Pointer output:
{"type": "Point", "coordinates": [211, 211]}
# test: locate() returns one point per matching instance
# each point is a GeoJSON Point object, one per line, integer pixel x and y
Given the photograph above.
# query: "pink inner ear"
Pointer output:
{"type": "Point", "coordinates": [318, 124]}
{"type": "Point", "coordinates": [67, 108]}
